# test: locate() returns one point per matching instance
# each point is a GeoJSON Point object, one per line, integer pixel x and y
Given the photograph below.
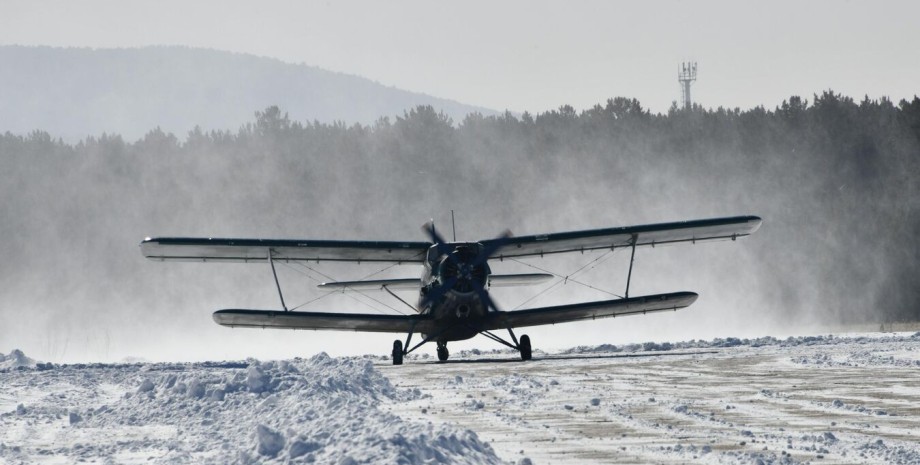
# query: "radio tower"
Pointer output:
{"type": "Point", "coordinates": [686, 74]}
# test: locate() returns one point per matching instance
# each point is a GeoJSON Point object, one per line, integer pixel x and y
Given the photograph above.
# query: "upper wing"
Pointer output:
{"type": "Point", "coordinates": [248, 250]}
{"type": "Point", "coordinates": [649, 234]}
{"type": "Point", "coordinates": [590, 310]}
{"type": "Point", "coordinates": [319, 320]}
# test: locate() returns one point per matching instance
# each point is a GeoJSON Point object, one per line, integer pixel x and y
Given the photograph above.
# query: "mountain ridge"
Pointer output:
{"type": "Point", "coordinates": [78, 92]}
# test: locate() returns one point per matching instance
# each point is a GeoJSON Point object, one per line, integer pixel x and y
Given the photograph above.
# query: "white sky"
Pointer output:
{"type": "Point", "coordinates": [528, 55]}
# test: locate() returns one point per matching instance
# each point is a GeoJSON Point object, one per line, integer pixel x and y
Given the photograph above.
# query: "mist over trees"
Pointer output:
{"type": "Point", "coordinates": [833, 178]}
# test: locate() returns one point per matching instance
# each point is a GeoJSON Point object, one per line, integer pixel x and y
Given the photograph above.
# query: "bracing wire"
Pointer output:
{"type": "Point", "coordinates": [379, 271]}
{"type": "Point", "coordinates": [330, 278]}
{"type": "Point", "coordinates": [565, 279]}
{"type": "Point", "coordinates": [544, 291]}
{"type": "Point", "coordinates": [322, 296]}
{"type": "Point", "coordinates": [375, 300]}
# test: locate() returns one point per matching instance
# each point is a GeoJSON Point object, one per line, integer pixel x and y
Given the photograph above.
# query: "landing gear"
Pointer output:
{"type": "Point", "coordinates": [397, 352]}
{"type": "Point", "coordinates": [525, 347]}
{"type": "Point", "coordinates": [443, 354]}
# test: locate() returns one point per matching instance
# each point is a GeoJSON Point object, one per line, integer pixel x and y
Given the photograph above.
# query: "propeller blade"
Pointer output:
{"type": "Point", "coordinates": [492, 246]}
{"type": "Point", "coordinates": [485, 297]}
{"type": "Point", "coordinates": [432, 233]}
{"type": "Point", "coordinates": [439, 241]}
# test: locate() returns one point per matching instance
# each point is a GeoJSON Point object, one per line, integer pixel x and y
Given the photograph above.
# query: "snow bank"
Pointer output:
{"type": "Point", "coordinates": [16, 359]}
{"type": "Point", "coordinates": [717, 343]}
{"type": "Point", "coordinates": [319, 410]}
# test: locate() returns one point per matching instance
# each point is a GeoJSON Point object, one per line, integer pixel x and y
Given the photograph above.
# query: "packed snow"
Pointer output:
{"type": "Point", "coordinates": [819, 399]}
{"type": "Point", "coordinates": [15, 359]}
{"type": "Point", "coordinates": [321, 410]}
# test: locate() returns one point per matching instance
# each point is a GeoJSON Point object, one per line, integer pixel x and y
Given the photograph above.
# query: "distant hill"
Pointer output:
{"type": "Point", "coordinates": [75, 92]}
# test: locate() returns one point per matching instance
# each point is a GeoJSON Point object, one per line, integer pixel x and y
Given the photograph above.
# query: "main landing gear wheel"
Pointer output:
{"type": "Point", "coordinates": [397, 352]}
{"type": "Point", "coordinates": [443, 354]}
{"type": "Point", "coordinates": [525, 347]}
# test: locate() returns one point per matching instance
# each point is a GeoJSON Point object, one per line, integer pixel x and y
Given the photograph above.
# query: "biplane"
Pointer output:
{"type": "Point", "coordinates": [454, 303]}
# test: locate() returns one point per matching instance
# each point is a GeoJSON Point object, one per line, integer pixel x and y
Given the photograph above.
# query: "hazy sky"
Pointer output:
{"type": "Point", "coordinates": [528, 55]}
{"type": "Point", "coordinates": [517, 55]}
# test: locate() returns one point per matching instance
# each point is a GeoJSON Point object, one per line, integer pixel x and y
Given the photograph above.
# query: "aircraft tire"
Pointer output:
{"type": "Point", "coordinates": [443, 353]}
{"type": "Point", "coordinates": [525, 347]}
{"type": "Point", "coordinates": [397, 352]}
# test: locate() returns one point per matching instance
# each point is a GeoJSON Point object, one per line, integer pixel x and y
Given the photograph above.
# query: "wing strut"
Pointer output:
{"type": "Point", "coordinates": [272, 263]}
{"type": "Point", "coordinates": [387, 288]}
{"type": "Point", "coordinates": [428, 338]}
{"type": "Point", "coordinates": [499, 340]}
{"type": "Point", "coordinates": [632, 256]}
{"type": "Point", "coordinates": [490, 335]}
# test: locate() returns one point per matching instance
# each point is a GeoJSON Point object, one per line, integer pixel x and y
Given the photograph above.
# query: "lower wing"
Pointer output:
{"type": "Point", "coordinates": [325, 321]}
{"type": "Point", "coordinates": [590, 310]}
{"type": "Point", "coordinates": [426, 324]}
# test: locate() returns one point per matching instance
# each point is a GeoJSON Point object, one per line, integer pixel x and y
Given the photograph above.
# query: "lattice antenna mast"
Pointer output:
{"type": "Point", "coordinates": [686, 74]}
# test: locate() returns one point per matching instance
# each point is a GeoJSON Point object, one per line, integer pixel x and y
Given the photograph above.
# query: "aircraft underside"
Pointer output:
{"type": "Point", "coordinates": [459, 317]}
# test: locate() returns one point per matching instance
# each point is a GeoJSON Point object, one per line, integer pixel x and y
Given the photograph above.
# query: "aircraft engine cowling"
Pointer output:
{"type": "Point", "coordinates": [461, 264]}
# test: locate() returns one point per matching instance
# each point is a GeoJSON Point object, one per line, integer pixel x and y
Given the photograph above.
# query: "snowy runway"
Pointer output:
{"type": "Point", "coordinates": [819, 400]}
{"type": "Point", "coordinates": [829, 400]}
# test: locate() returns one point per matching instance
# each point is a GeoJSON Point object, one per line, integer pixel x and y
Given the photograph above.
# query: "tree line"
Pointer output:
{"type": "Point", "coordinates": [834, 178]}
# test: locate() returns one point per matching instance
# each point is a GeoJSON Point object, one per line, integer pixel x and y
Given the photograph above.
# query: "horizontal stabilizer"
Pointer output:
{"type": "Point", "coordinates": [590, 310]}
{"type": "Point", "coordinates": [373, 284]}
{"type": "Point", "coordinates": [506, 280]}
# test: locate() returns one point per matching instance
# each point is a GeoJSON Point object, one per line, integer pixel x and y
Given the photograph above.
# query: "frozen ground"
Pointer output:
{"type": "Point", "coordinates": [824, 399]}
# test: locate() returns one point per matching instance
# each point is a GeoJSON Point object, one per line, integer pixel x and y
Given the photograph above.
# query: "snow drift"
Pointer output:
{"type": "Point", "coordinates": [319, 410]}
{"type": "Point", "coordinates": [15, 359]}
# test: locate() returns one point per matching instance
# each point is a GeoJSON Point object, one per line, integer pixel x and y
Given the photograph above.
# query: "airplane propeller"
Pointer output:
{"type": "Point", "coordinates": [443, 249]}
{"type": "Point", "coordinates": [468, 266]}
